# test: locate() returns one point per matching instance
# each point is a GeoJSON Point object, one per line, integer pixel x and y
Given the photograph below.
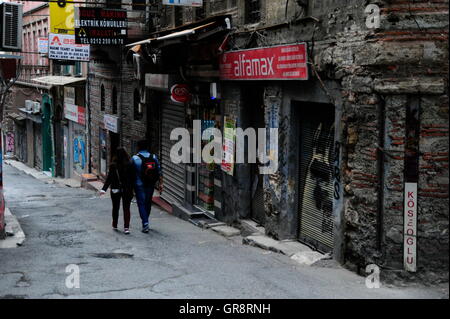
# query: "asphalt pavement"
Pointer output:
{"type": "Point", "coordinates": [69, 229]}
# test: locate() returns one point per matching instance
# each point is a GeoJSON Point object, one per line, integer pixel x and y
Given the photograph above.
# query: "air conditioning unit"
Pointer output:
{"type": "Point", "coordinates": [11, 26]}
{"type": "Point", "coordinates": [29, 104]}
{"type": "Point", "coordinates": [36, 107]}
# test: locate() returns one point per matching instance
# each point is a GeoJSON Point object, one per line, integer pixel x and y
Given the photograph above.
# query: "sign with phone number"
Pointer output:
{"type": "Point", "coordinates": [100, 26]}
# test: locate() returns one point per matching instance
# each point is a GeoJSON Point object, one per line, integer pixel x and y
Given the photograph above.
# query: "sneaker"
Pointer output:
{"type": "Point", "coordinates": [126, 231]}
{"type": "Point", "coordinates": [115, 228]}
{"type": "Point", "coordinates": [145, 229]}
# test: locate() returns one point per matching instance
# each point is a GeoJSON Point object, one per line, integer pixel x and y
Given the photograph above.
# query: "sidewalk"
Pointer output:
{"type": "Point", "coordinates": [43, 176]}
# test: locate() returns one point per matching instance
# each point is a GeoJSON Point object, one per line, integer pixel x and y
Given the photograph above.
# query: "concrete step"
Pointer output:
{"type": "Point", "coordinates": [94, 186]}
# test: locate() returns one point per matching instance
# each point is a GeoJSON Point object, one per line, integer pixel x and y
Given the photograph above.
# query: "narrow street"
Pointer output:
{"type": "Point", "coordinates": [176, 259]}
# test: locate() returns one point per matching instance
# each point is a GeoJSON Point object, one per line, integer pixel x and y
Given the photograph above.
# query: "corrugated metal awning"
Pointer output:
{"type": "Point", "coordinates": [172, 35]}
{"type": "Point", "coordinates": [58, 80]}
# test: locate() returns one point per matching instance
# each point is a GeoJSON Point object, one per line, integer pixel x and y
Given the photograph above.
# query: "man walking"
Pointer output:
{"type": "Point", "coordinates": [148, 173]}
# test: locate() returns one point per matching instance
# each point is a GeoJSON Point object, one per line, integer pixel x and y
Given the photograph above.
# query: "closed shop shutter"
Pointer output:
{"type": "Point", "coordinates": [173, 116]}
{"type": "Point", "coordinates": [316, 180]}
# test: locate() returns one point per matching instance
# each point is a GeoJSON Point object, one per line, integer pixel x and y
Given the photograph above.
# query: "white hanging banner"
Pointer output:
{"type": "Point", "coordinates": [410, 227]}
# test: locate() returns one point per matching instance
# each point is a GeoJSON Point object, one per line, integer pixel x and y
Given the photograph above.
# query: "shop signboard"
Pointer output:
{"type": "Point", "coordinates": [75, 113]}
{"type": "Point", "coordinates": [188, 3]}
{"type": "Point", "coordinates": [63, 47]}
{"type": "Point", "coordinates": [229, 142]}
{"type": "Point", "coordinates": [100, 26]}
{"type": "Point", "coordinates": [180, 93]}
{"type": "Point", "coordinates": [285, 62]}
{"type": "Point", "coordinates": [111, 123]}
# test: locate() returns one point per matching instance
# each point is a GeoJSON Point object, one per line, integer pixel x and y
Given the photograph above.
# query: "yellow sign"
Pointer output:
{"type": "Point", "coordinates": [62, 17]}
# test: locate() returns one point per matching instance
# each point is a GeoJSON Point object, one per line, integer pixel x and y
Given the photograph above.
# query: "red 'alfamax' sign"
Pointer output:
{"type": "Point", "coordinates": [285, 62]}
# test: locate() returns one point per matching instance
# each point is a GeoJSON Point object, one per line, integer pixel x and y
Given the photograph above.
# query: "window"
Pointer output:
{"type": "Point", "coordinates": [102, 98]}
{"type": "Point", "coordinates": [77, 68]}
{"type": "Point", "coordinates": [252, 11]}
{"type": "Point", "coordinates": [114, 100]}
{"type": "Point", "coordinates": [137, 109]}
{"type": "Point", "coordinates": [138, 5]}
{"type": "Point", "coordinates": [200, 13]}
{"type": "Point", "coordinates": [114, 4]}
{"type": "Point", "coordinates": [178, 16]}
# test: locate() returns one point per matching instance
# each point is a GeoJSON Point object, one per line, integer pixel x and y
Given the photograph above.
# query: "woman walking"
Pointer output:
{"type": "Point", "coordinates": [121, 180]}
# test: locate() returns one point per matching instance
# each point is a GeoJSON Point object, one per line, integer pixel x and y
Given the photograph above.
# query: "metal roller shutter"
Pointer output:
{"type": "Point", "coordinates": [173, 116]}
{"type": "Point", "coordinates": [316, 182]}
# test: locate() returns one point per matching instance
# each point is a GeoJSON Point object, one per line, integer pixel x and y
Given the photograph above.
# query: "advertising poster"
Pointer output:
{"type": "Point", "coordinates": [62, 18]}
{"type": "Point", "coordinates": [229, 141]}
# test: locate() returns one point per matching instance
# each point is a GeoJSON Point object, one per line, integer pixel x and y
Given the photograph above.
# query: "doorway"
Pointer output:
{"type": "Point", "coordinates": [253, 99]}
{"type": "Point", "coordinates": [114, 139]}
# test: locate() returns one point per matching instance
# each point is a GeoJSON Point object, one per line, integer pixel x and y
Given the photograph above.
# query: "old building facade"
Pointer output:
{"type": "Point", "coordinates": [371, 118]}
{"type": "Point", "coordinates": [366, 125]}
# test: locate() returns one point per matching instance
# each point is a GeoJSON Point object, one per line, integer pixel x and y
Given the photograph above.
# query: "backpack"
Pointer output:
{"type": "Point", "coordinates": [149, 170]}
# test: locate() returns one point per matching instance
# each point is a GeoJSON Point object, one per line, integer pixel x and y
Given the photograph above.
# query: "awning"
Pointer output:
{"type": "Point", "coordinates": [172, 35]}
{"type": "Point", "coordinates": [6, 55]}
{"type": "Point", "coordinates": [16, 117]}
{"type": "Point", "coordinates": [194, 30]}
{"type": "Point", "coordinates": [58, 80]}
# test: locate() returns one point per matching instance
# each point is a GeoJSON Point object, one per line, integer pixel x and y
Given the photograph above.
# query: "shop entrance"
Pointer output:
{"type": "Point", "coordinates": [114, 139]}
{"type": "Point", "coordinates": [315, 186]}
{"type": "Point", "coordinates": [253, 99]}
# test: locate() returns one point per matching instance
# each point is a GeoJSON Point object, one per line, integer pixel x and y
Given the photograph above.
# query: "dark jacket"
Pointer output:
{"type": "Point", "coordinates": [120, 178]}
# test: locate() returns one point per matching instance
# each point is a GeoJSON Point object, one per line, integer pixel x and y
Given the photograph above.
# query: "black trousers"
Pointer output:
{"type": "Point", "coordinates": [126, 203]}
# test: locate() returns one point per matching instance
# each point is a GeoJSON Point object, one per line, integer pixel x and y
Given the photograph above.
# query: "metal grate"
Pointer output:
{"type": "Point", "coordinates": [173, 116]}
{"type": "Point", "coordinates": [316, 180]}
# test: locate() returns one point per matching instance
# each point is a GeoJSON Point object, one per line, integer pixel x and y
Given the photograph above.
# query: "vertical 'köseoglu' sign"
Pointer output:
{"type": "Point", "coordinates": [410, 227]}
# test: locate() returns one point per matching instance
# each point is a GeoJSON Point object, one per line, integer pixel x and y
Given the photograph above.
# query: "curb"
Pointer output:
{"type": "Point", "coordinates": [12, 227]}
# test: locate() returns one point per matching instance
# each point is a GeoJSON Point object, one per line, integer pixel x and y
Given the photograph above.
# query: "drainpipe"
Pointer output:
{"type": "Point", "coordinates": [381, 171]}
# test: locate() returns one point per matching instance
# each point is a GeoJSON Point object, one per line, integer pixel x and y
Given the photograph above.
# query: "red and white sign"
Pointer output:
{"type": "Point", "coordinates": [63, 47]}
{"type": "Point", "coordinates": [180, 93]}
{"type": "Point", "coordinates": [285, 62]}
{"type": "Point", "coordinates": [410, 227]}
{"type": "Point", "coordinates": [75, 113]}
{"type": "Point", "coordinates": [43, 45]}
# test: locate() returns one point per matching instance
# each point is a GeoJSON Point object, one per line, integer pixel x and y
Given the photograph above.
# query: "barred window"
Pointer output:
{"type": "Point", "coordinates": [252, 11]}
{"type": "Point", "coordinates": [200, 12]}
{"type": "Point", "coordinates": [178, 16]}
{"type": "Point", "coordinates": [113, 4]}
{"type": "Point", "coordinates": [137, 108]}
{"type": "Point", "coordinates": [114, 100]}
{"type": "Point", "coordinates": [102, 98]}
{"type": "Point", "coordinates": [138, 5]}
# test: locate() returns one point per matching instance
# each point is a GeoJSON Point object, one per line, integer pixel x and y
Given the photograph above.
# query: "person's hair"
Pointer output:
{"type": "Point", "coordinates": [142, 145]}
{"type": "Point", "coordinates": [121, 157]}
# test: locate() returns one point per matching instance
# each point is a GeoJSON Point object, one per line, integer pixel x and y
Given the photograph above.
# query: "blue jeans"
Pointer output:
{"type": "Point", "coordinates": [144, 201]}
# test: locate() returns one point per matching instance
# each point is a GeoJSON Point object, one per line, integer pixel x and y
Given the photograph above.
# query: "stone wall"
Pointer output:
{"type": "Point", "coordinates": [378, 71]}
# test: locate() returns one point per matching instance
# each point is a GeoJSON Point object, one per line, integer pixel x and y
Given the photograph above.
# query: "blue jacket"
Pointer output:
{"type": "Point", "coordinates": [137, 163]}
